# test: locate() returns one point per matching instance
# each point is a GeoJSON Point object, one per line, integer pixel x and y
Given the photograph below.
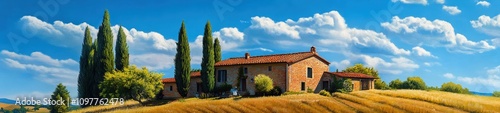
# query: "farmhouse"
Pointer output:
{"type": "Point", "coordinates": [291, 72]}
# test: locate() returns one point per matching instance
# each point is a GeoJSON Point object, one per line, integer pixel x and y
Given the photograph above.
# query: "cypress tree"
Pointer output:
{"type": "Point", "coordinates": [217, 51]}
{"type": "Point", "coordinates": [85, 64]}
{"type": "Point", "coordinates": [60, 93]}
{"type": "Point", "coordinates": [207, 62]}
{"type": "Point", "coordinates": [182, 63]}
{"type": "Point", "coordinates": [121, 51]}
{"type": "Point", "coordinates": [104, 59]}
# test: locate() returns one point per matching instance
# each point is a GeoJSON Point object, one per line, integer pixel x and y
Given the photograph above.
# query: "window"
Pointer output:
{"type": "Point", "coordinates": [270, 68]}
{"type": "Point", "coordinates": [245, 70]}
{"type": "Point", "coordinates": [303, 86]}
{"type": "Point", "coordinates": [309, 72]}
{"type": "Point", "coordinates": [222, 75]}
{"type": "Point", "coordinates": [171, 88]}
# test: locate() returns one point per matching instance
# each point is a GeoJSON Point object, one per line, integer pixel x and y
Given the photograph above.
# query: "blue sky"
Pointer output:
{"type": "Point", "coordinates": [438, 40]}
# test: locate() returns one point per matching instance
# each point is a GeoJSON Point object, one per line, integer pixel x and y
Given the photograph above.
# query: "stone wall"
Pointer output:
{"type": "Point", "coordinates": [298, 74]}
{"type": "Point", "coordinates": [174, 94]}
{"type": "Point", "coordinates": [277, 73]}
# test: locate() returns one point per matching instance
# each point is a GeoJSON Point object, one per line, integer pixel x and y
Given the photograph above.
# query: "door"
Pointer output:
{"type": "Point", "coordinates": [243, 85]}
{"type": "Point", "coordinates": [325, 85]}
{"type": "Point", "coordinates": [364, 85]}
{"type": "Point", "coordinates": [198, 87]}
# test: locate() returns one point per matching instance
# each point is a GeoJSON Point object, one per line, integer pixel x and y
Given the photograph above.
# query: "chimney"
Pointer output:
{"type": "Point", "coordinates": [247, 55]}
{"type": "Point", "coordinates": [313, 49]}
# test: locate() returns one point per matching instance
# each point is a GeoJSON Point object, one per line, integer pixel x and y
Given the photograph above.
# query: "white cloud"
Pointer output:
{"type": "Point", "coordinates": [229, 32]}
{"type": "Point", "coordinates": [422, 52]}
{"type": "Point", "coordinates": [427, 63]}
{"type": "Point", "coordinates": [488, 83]}
{"type": "Point", "coordinates": [153, 46]}
{"type": "Point", "coordinates": [435, 33]}
{"type": "Point", "coordinates": [396, 65]}
{"type": "Point", "coordinates": [449, 75]}
{"type": "Point", "coordinates": [440, 1]}
{"type": "Point", "coordinates": [342, 64]}
{"type": "Point", "coordinates": [495, 42]}
{"type": "Point", "coordinates": [153, 61]}
{"type": "Point", "coordinates": [453, 10]}
{"type": "Point", "coordinates": [431, 63]}
{"type": "Point", "coordinates": [39, 57]}
{"type": "Point", "coordinates": [45, 71]}
{"type": "Point", "coordinates": [487, 25]}
{"type": "Point", "coordinates": [483, 3]}
{"type": "Point", "coordinates": [423, 2]}
{"type": "Point", "coordinates": [270, 26]}
{"type": "Point", "coordinates": [328, 31]}
{"type": "Point", "coordinates": [57, 33]}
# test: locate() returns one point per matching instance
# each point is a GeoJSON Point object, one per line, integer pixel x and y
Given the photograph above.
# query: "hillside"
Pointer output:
{"type": "Point", "coordinates": [7, 101]}
{"type": "Point", "coordinates": [30, 108]}
{"type": "Point", "coordinates": [397, 101]}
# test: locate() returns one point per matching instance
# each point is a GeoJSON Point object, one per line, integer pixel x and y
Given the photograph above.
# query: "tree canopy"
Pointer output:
{"type": "Point", "coordinates": [182, 63]}
{"type": "Point", "coordinates": [455, 88]}
{"type": "Point", "coordinates": [207, 62]}
{"type": "Point", "coordinates": [414, 82]}
{"type": "Point", "coordinates": [60, 93]}
{"type": "Point", "coordinates": [132, 83]}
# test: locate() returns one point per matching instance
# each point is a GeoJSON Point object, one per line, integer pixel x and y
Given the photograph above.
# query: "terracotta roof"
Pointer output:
{"type": "Point", "coordinates": [172, 80]}
{"type": "Point", "coordinates": [275, 58]}
{"type": "Point", "coordinates": [351, 75]}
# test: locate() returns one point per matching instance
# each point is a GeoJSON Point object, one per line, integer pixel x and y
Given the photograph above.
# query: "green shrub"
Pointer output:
{"type": "Point", "coordinates": [346, 86]}
{"type": "Point", "coordinates": [276, 91]}
{"type": "Point", "coordinates": [336, 84]}
{"type": "Point", "coordinates": [309, 90]}
{"type": "Point", "coordinates": [325, 93]}
{"type": "Point", "coordinates": [379, 84]}
{"type": "Point", "coordinates": [496, 94]}
{"type": "Point", "coordinates": [454, 88]}
{"type": "Point", "coordinates": [396, 84]}
{"type": "Point", "coordinates": [429, 88]}
{"type": "Point", "coordinates": [204, 95]}
{"type": "Point", "coordinates": [223, 88]}
{"type": "Point", "coordinates": [133, 83]}
{"type": "Point", "coordinates": [263, 83]}
{"type": "Point", "coordinates": [292, 93]}
{"type": "Point", "coordinates": [414, 83]}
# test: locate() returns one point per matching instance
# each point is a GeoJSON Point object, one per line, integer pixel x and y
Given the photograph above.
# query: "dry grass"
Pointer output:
{"type": "Point", "coordinates": [369, 103]}
{"type": "Point", "coordinates": [311, 103]}
{"type": "Point", "coordinates": [127, 105]}
{"type": "Point", "coordinates": [8, 106]}
{"type": "Point", "coordinates": [30, 108]}
{"type": "Point", "coordinates": [356, 106]}
{"type": "Point", "coordinates": [413, 106]}
{"type": "Point", "coordinates": [469, 103]}
{"type": "Point", "coordinates": [362, 101]}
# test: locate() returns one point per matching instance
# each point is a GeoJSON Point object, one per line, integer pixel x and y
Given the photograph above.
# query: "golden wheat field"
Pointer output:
{"type": "Point", "coordinates": [373, 101]}
{"type": "Point", "coordinates": [30, 108]}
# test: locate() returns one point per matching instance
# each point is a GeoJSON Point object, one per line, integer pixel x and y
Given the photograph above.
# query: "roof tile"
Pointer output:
{"type": "Point", "coordinates": [351, 75]}
{"type": "Point", "coordinates": [275, 58]}
{"type": "Point", "coordinates": [172, 80]}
